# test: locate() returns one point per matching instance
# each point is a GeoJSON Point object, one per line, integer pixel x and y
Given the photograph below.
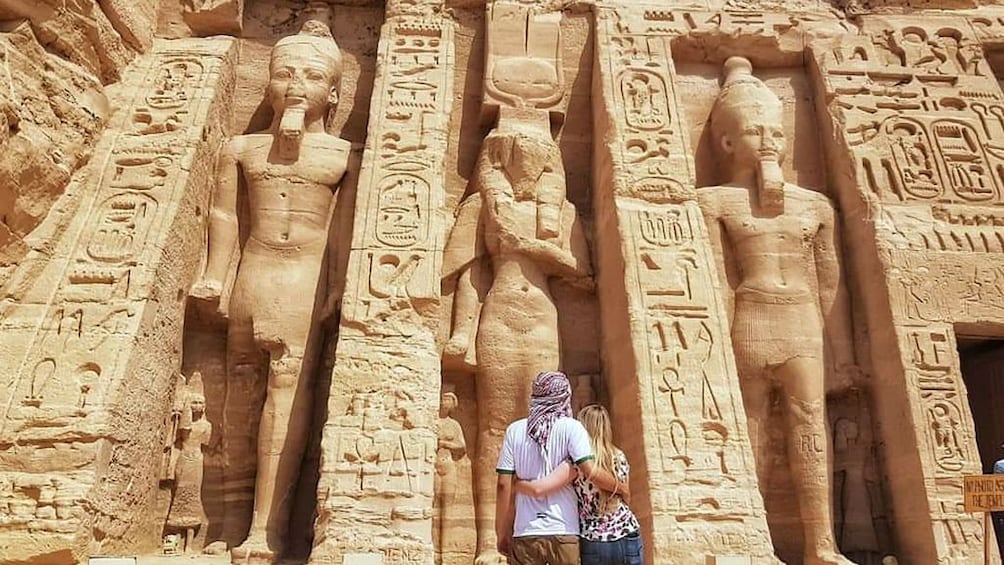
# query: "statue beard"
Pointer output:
{"type": "Point", "coordinates": [291, 127]}
{"type": "Point", "coordinates": [770, 185]}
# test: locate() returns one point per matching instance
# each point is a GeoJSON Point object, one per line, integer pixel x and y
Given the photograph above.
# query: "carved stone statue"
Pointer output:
{"type": "Point", "coordinates": [186, 514]}
{"type": "Point", "coordinates": [778, 243]}
{"type": "Point", "coordinates": [453, 533]}
{"type": "Point", "coordinates": [519, 220]}
{"type": "Point", "coordinates": [279, 294]}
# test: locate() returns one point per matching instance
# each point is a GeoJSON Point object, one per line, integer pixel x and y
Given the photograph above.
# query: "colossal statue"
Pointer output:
{"type": "Point", "coordinates": [280, 290]}
{"type": "Point", "coordinates": [779, 249]}
{"type": "Point", "coordinates": [519, 224]}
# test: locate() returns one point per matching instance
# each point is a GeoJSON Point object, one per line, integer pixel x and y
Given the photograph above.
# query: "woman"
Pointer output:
{"type": "Point", "coordinates": [609, 532]}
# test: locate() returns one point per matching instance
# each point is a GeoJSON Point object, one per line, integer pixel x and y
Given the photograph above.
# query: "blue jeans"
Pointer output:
{"type": "Point", "coordinates": [626, 551]}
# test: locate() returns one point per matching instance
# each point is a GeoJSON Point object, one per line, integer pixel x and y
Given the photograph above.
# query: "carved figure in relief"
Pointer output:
{"type": "Point", "coordinates": [775, 233]}
{"type": "Point", "coordinates": [281, 289]}
{"type": "Point", "coordinates": [186, 514]}
{"type": "Point", "coordinates": [453, 533]}
{"type": "Point", "coordinates": [514, 335]}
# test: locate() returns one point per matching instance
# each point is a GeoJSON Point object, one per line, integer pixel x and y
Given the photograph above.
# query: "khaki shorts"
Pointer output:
{"type": "Point", "coordinates": [545, 550]}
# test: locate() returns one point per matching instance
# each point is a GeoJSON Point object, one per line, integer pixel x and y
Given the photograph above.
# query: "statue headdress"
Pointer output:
{"type": "Point", "coordinates": [317, 35]}
{"type": "Point", "coordinates": [740, 94]}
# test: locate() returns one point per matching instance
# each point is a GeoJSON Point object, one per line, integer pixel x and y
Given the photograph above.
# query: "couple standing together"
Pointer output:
{"type": "Point", "coordinates": [569, 485]}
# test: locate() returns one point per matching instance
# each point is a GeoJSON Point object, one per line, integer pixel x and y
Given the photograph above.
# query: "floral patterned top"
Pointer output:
{"type": "Point", "coordinates": [617, 521]}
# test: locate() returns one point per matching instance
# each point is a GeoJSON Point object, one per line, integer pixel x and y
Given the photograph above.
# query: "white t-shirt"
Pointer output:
{"type": "Point", "coordinates": [557, 513]}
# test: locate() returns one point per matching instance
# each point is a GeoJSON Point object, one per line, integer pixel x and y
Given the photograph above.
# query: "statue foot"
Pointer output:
{"type": "Point", "coordinates": [827, 558]}
{"type": "Point", "coordinates": [254, 551]}
{"type": "Point", "coordinates": [491, 557]}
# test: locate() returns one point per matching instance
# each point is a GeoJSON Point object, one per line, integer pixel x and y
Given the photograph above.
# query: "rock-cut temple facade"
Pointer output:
{"type": "Point", "coordinates": [276, 275]}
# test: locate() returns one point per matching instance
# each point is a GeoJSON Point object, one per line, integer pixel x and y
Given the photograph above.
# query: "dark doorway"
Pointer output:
{"type": "Point", "coordinates": [982, 362]}
{"type": "Point", "coordinates": [983, 372]}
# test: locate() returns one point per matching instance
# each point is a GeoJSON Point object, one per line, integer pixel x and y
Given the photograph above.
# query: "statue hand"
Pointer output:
{"type": "Point", "coordinates": [585, 283]}
{"type": "Point", "coordinates": [847, 375]}
{"type": "Point", "coordinates": [206, 293]}
{"type": "Point", "coordinates": [208, 290]}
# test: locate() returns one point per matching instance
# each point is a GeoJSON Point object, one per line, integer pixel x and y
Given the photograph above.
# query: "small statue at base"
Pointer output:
{"type": "Point", "coordinates": [187, 515]}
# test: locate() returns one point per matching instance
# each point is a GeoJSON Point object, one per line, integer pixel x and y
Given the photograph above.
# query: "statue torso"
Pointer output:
{"type": "Point", "coordinates": [773, 253]}
{"type": "Point", "coordinates": [290, 201]}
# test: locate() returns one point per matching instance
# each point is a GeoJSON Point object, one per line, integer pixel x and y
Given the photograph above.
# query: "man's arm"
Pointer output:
{"type": "Point", "coordinates": [833, 298]}
{"type": "Point", "coordinates": [556, 479]}
{"type": "Point", "coordinates": [504, 512]}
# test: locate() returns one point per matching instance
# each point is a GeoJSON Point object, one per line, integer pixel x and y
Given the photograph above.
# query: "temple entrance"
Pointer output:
{"type": "Point", "coordinates": [982, 362]}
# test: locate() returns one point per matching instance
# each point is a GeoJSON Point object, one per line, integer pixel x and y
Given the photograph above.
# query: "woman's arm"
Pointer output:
{"type": "Point", "coordinates": [604, 480]}
{"type": "Point", "coordinates": [537, 488]}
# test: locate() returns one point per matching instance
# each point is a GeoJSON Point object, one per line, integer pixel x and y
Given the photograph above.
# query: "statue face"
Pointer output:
{"type": "Point", "coordinates": [756, 135]}
{"type": "Point", "coordinates": [198, 404]}
{"type": "Point", "coordinates": [300, 77]}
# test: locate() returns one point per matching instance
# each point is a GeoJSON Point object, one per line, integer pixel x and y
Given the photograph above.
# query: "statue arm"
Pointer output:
{"type": "Point", "coordinates": [719, 245]}
{"type": "Point", "coordinates": [223, 229]}
{"type": "Point", "coordinates": [833, 297]}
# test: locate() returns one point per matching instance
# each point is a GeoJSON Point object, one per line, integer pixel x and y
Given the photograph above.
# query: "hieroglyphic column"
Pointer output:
{"type": "Point", "coordinates": [375, 495]}
{"type": "Point", "coordinates": [666, 341]}
{"type": "Point", "coordinates": [916, 117]}
{"type": "Point", "coordinates": [91, 340]}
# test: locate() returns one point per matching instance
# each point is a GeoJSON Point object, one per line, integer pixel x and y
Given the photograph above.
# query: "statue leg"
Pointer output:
{"type": "Point", "coordinates": [497, 409]}
{"type": "Point", "coordinates": [756, 392]}
{"type": "Point", "coordinates": [503, 392]}
{"type": "Point", "coordinates": [802, 380]}
{"type": "Point", "coordinates": [245, 363]}
{"type": "Point", "coordinates": [282, 439]}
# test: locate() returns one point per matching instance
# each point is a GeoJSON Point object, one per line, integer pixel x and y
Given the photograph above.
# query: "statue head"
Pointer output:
{"type": "Point", "coordinates": [304, 74]}
{"type": "Point", "coordinates": [447, 403]}
{"type": "Point", "coordinates": [746, 120]}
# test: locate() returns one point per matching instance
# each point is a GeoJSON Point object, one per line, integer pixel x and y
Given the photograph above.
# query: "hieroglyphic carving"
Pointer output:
{"type": "Point", "coordinates": [654, 151]}
{"type": "Point", "coordinates": [378, 450]}
{"type": "Point", "coordinates": [699, 450]}
{"type": "Point", "coordinates": [918, 104]}
{"type": "Point", "coordinates": [401, 160]}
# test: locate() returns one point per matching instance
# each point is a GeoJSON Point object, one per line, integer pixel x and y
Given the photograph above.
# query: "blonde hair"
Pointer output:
{"type": "Point", "coordinates": [596, 420]}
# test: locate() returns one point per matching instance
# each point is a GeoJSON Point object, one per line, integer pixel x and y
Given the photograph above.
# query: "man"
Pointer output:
{"type": "Point", "coordinates": [543, 531]}
{"type": "Point", "coordinates": [998, 517]}
{"type": "Point", "coordinates": [290, 172]}
{"type": "Point", "coordinates": [789, 310]}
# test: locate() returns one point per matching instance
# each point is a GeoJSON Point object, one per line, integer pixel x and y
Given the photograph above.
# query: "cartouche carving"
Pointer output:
{"type": "Point", "coordinates": [775, 232]}
{"type": "Point", "coordinates": [280, 292]}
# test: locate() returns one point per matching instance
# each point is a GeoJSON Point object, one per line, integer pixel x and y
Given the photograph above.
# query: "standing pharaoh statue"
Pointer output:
{"type": "Point", "coordinates": [290, 172]}
{"type": "Point", "coordinates": [777, 244]}
{"type": "Point", "coordinates": [511, 237]}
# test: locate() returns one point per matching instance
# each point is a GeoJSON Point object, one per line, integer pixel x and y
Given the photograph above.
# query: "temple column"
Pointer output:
{"type": "Point", "coordinates": [667, 354]}
{"type": "Point", "coordinates": [375, 494]}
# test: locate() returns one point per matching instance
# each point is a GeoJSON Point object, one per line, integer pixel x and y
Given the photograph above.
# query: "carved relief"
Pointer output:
{"type": "Point", "coordinates": [523, 67]}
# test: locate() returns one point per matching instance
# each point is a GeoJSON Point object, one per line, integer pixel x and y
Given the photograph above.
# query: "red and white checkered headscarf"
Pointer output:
{"type": "Point", "coordinates": [550, 399]}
